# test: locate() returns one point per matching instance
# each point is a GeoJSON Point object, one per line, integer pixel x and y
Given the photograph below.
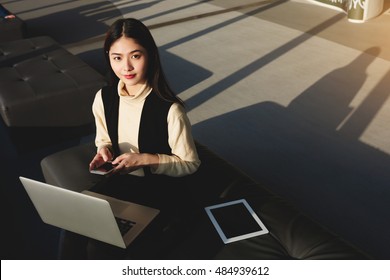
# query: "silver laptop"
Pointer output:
{"type": "Point", "coordinates": [90, 214]}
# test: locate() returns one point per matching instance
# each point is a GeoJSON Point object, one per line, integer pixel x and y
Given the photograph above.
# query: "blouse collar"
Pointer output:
{"type": "Point", "coordinates": [139, 95]}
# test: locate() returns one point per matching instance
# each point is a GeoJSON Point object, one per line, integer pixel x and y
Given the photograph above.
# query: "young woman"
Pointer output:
{"type": "Point", "coordinates": [140, 124]}
{"type": "Point", "coordinates": [143, 129]}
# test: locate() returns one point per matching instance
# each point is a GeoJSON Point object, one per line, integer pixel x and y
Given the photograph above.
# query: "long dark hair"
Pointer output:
{"type": "Point", "coordinates": [135, 29]}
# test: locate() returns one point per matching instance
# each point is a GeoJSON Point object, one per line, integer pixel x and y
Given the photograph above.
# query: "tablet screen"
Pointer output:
{"type": "Point", "coordinates": [235, 220]}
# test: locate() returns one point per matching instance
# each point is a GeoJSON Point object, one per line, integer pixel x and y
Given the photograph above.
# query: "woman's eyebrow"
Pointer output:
{"type": "Point", "coordinates": [130, 52]}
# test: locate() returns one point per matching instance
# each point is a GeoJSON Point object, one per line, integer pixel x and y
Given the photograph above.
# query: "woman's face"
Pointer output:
{"type": "Point", "coordinates": [129, 61]}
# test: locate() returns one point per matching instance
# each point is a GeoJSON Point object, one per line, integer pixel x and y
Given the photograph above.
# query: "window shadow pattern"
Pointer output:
{"type": "Point", "coordinates": [311, 152]}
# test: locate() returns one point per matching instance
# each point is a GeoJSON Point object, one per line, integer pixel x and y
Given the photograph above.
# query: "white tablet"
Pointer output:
{"type": "Point", "coordinates": [235, 220]}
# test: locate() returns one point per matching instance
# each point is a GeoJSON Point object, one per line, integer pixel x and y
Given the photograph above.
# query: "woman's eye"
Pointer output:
{"type": "Point", "coordinates": [135, 56]}
{"type": "Point", "coordinates": [116, 58]}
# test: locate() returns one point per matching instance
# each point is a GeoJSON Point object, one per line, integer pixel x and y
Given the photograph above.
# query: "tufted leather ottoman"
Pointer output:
{"type": "Point", "coordinates": [44, 85]}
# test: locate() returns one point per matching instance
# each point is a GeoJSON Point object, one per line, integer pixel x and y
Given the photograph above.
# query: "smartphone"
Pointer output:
{"type": "Point", "coordinates": [104, 169]}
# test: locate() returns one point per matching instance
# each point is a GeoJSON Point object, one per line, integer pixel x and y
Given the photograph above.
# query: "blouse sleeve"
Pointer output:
{"type": "Point", "coordinates": [102, 138]}
{"type": "Point", "coordinates": [184, 159]}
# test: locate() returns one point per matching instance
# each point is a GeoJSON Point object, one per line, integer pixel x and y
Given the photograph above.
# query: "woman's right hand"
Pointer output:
{"type": "Point", "coordinates": [103, 155]}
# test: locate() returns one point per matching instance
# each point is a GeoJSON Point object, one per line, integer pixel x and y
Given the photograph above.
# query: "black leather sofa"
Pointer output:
{"type": "Point", "coordinates": [292, 234]}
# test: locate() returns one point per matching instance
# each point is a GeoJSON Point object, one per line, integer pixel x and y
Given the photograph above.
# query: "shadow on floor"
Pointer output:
{"type": "Point", "coordinates": [310, 153]}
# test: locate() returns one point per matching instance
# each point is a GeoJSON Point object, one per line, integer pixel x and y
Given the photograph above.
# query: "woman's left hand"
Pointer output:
{"type": "Point", "coordinates": [129, 162]}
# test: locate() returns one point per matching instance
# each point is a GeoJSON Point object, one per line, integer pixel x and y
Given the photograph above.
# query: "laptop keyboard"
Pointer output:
{"type": "Point", "coordinates": [124, 225]}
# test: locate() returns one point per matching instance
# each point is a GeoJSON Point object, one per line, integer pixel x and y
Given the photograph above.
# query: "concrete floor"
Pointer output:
{"type": "Point", "coordinates": [291, 92]}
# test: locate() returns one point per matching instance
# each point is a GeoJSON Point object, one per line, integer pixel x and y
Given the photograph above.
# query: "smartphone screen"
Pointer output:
{"type": "Point", "coordinates": [105, 168]}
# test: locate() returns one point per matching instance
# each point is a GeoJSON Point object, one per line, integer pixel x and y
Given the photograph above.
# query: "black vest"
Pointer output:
{"type": "Point", "coordinates": [153, 129]}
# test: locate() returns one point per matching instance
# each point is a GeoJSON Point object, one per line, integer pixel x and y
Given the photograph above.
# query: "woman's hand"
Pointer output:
{"type": "Point", "coordinates": [129, 162]}
{"type": "Point", "coordinates": [103, 155]}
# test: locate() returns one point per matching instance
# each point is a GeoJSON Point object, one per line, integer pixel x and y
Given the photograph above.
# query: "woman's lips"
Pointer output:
{"type": "Point", "coordinates": [129, 76]}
